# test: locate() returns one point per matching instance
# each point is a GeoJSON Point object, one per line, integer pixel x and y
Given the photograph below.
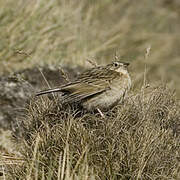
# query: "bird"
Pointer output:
{"type": "Point", "coordinates": [99, 88]}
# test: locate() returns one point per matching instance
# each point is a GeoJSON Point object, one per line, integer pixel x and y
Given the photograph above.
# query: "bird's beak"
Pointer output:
{"type": "Point", "coordinates": [126, 64]}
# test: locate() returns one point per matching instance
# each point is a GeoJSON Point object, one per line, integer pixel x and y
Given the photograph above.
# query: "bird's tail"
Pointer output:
{"type": "Point", "coordinates": [48, 91]}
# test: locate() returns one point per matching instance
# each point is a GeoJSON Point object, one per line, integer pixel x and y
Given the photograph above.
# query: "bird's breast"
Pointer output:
{"type": "Point", "coordinates": [109, 98]}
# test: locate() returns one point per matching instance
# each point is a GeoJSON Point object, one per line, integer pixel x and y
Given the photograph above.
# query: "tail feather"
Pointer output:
{"type": "Point", "coordinates": [48, 91]}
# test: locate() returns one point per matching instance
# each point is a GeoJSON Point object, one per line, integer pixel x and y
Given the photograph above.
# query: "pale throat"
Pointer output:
{"type": "Point", "coordinates": [123, 71]}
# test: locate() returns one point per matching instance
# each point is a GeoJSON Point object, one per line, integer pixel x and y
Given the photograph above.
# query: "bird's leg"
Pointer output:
{"type": "Point", "coordinates": [100, 112]}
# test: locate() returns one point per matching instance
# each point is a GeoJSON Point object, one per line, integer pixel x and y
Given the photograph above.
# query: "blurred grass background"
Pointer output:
{"type": "Point", "coordinates": [67, 32]}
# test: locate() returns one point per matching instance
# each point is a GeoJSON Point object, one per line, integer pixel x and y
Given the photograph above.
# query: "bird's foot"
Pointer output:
{"type": "Point", "coordinates": [100, 112]}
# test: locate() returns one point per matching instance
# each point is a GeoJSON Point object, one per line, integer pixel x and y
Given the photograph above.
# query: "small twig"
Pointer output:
{"type": "Point", "coordinates": [145, 84]}
{"type": "Point", "coordinates": [44, 78]}
{"type": "Point", "coordinates": [92, 62]}
{"type": "Point", "coordinates": [148, 49]}
{"type": "Point", "coordinates": [3, 173]}
{"type": "Point", "coordinates": [28, 177]}
{"type": "Point", "coordinates": [117, 57]}
{"type": "Point", "coordinates": [64, 74]}
{"type": "Point", "coordinates": [22, 52]}
{"type": "Point", "coordinates": [59, 167]}
{"type": "Point", "coordinates": [46, 81]}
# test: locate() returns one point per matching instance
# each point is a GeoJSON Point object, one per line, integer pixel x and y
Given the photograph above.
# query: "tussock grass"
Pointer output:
{"type": "Point", "coordinates": [136, 140]}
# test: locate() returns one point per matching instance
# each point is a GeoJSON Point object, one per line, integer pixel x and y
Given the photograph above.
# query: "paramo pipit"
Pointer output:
{"type": "Point", "coordinates": [98, 88]}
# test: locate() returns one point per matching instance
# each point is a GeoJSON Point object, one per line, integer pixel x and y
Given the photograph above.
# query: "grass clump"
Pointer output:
{"type": "Point", "coordinates": [135, 140]}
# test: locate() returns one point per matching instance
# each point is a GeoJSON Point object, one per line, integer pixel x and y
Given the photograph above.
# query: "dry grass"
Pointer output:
{"type": "Point", "coordinates": [136, 140]}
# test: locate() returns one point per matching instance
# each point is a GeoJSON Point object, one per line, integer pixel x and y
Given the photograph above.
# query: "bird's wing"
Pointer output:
{"type": "Point", "coordinates": [88, 84]}
{"type": "Point", "coordinates": [79, 91]}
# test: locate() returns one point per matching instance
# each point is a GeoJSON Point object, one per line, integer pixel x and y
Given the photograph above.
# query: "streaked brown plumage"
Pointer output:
{"type": "Point", "coordinates": [97, 88]}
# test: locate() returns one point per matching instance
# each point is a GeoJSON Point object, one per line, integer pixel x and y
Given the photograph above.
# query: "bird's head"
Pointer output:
{"type": "Point", "coordinates": [119, 66]}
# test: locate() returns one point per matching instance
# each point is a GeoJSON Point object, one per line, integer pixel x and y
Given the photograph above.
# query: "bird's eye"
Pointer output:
{"type": "Point", "coordinates": [115, 64]}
